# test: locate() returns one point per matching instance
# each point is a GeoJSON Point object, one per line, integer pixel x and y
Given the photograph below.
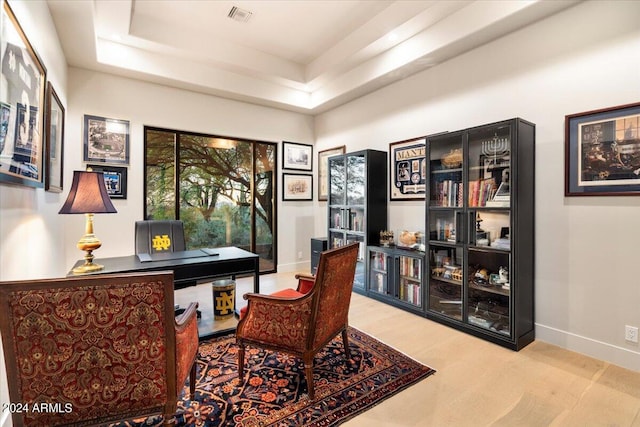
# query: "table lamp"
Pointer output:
{"type": "Point", "coordinates": [88, 195]}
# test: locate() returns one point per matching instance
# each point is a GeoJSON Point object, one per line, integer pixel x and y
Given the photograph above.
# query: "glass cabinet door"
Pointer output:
{"type": "Point", "coordinates": [445, 280]}
{"type": "Point", "coordinates": [378, 272]}
{"type": "Point", "coordinates": [410, 280]}
{"type": "Point", "coordinates": [356, 180]}
{"type": "Point", "coordinates": [445, 170]}
{"type": "Point", "coordinates": [489, 158]}
{"type": "Point", "coordinates": [337, 181]}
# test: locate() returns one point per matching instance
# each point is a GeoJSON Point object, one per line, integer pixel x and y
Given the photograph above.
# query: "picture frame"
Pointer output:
{"type": "Point", "coordinates": [297, 156]}
{"type": "Point", "coordinates": [22, 106]}
{"type": "Point", "coordinates": [115, 178]}
{"type": "Point", "coordinates": [408, 173]}
{"type": "Point", "coordinates": [297, 187]}
{"type": "Point", "coordinates": [106, 140]}
{"type": "Point", "coordinates": [602, 152]}
{"type": "Point", "coordinates": [54, 142]}
{"type": "Point", "coordinates": [323, 170]}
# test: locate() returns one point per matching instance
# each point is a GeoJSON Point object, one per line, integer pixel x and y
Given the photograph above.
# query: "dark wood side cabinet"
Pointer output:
{"type": "Point", "coordinates": [318, 245]}
{"type": "Point", "coordinates": [480, 228]}
{"type": "Point", "coordinates": [357, 205]}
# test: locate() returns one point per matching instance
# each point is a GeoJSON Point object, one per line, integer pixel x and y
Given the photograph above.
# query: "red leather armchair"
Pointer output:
{"type": "Point", "coordinates": [95, 349]}
{"type": "Point", "coordinates": [298, 322]}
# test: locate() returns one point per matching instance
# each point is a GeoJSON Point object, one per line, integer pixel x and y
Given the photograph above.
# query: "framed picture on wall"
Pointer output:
{"type": "Point", "coordinates": [21, 106]}
{"type": "Point", "coordinates": [297, 187]}
{"type": "Point", "coordinates": [297, 156]}
{"type": "Point", "coordinates": [115, 178]}
{"type": "Point", "coordinates": [602, 152]}
{"type": "Point", "coordinates": [323, 170]}
{"type": "Point", "coordinates": [54, 144]}
{"type": "Point", "coordinates": [408, 174]}
{"type": "Point", "coordinates": [106, 140]}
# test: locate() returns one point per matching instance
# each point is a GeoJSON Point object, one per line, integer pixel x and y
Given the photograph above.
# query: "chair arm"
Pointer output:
{"type": "Point", "coordinates": [279, 321]}
{"type": "Point", "coordinates": [186, 327]}
{"type": "Point", "coordinates": [305, 282]}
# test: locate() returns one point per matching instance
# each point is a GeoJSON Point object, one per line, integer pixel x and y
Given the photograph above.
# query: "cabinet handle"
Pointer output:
{"type": "Point", "coordinates": [460, 229]}
{"type": "Point", "coordinates": [472, 228]}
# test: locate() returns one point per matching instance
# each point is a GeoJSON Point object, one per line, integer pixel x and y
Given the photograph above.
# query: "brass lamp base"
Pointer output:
{"type": "Point", "coordinates": [88, 243]}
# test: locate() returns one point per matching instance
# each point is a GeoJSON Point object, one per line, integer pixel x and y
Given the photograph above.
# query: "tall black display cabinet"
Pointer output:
{"type": "Point", "coordinates": [357, 205]}
{"type": "Point", "coordinates": [480, 222]}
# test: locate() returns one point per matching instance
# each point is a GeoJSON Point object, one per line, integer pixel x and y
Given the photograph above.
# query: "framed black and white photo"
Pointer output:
{"type": "Point", "coordinates": [297, 187]}
{"type": "Point", "coordinates": [407, 170]}
{"type": "Point", "coordinates": [54, 144]}
{"type": "Point", "coordinates": [21, 106]}
{"type": "Point", "coordinates": [297, 156]}
{"type": "Point", "coordinates": [602, 152]}
{"type": "Point", "coordinates": [115, 178]}
{"type": "Point", "coordinates": [106, 140]}
{"type": "Point", "coordinates": [323, 170]}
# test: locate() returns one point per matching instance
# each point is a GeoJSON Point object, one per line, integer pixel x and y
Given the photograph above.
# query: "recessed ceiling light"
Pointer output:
{"type": "Point", "coordinates": [239, 15]}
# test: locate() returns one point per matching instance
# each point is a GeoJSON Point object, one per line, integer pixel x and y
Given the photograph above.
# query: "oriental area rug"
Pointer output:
{"type": "Point", "coordinates": [274, 393]}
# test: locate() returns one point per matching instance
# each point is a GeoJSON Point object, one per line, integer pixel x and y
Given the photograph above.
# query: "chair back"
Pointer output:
{"type": "Point", "coordinates": [94, 348]}
{"type": "Point", "coordinates": [158, 236]}
{"type": "Point", "coordinates": [333, 287]}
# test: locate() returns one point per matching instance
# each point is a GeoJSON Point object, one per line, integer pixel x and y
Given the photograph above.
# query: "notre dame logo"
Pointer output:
{"type": "Point", "coordinates": [161, 243]}
{"type": "Point", "coordinates": [224, 303]}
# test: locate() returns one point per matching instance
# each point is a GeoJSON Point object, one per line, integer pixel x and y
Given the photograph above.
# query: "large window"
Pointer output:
{"type": "Point", "coordinates": [221, 188]}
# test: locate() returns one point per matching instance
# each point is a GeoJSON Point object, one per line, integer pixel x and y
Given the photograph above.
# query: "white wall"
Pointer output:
{"type": "Point", "coordinates": [143, 103]}
{"type": "Point", "coordinates": [582, 59]}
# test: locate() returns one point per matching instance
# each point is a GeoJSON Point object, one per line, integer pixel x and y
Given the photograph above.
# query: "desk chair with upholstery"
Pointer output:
{"type": "Point", "coordinates": [96, 348]}
{"type": "Point", "coordinates": [299, 323]}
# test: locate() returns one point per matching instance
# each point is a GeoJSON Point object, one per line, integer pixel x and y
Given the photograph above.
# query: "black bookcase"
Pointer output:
{"type": "Point", "coordinates": [480, 228]}
{"type": "Point", "coordinates": [357, 204]}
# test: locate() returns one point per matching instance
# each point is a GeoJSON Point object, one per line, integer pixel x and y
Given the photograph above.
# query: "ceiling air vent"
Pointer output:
{"type": "Point", "coordinates": [239, 15]}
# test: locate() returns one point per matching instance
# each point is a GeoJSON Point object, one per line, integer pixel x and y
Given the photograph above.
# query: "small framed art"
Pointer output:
{"type": "Point", "coordinates": [297, 187]}
{"type": "Point", "coordinates": [297, 156]}
{"type": "Point", "coordinates": [54, 144]}
{"type": "Point", "coordinates": [602, 152]}
{"type": "Point", "coordinates": [408, 170]}
{"type": "Point", "coordinates": [323, 170]}
{"type": "Point", "coordinates": [115, 178]}
{"type": "Point", "coordinates": [106, 140]}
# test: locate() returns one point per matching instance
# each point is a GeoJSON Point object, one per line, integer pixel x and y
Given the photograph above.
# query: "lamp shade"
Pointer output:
{"type": "Point", "coordinates": [88, 194]}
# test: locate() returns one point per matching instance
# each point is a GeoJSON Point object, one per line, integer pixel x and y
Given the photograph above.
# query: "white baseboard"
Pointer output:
{"type": "Point", "coordinates": [626, 358]}
{"type": "Point", "coordinates": [294, 266]}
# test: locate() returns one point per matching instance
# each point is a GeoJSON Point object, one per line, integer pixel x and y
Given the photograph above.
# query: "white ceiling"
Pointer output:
{"type": "Point", "coordinates": [300, 55]}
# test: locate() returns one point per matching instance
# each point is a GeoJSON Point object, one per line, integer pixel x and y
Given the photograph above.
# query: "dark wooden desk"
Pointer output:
{"type": "Point", "coordinates": [187, 271]}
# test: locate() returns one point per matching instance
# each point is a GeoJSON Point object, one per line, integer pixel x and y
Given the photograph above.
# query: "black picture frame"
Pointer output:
{"type": "Point", "coordinates": [115, 178]}
{"type": "Point", "coordinates": [297, 156]}
{"type": "Point", "coordinates": [54, 144]}
{"type": "Point", "coordinates": [22, 106]}
{"type": "Point", "coordinates": [602, 152]}
{"type": "Point", "coordinates": [105, 140]}
{"type": "Point", "coordinates": [297, 187]}
{"type": "Point", "coordinates": [407, 169]}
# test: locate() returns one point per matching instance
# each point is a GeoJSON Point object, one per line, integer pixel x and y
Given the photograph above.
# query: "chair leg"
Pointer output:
{"type": "Point", "coordinates": [192, 380]}
{"type": "Point", "coordinates": [345, 343]}
{"type": "Point", "coordinates": [241, 363]}
{"type": "Point", "coordinates": [308, 373]}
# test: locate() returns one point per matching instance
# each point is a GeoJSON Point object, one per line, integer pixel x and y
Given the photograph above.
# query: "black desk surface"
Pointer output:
{"type": "Point", "coordinates": [226, 261]}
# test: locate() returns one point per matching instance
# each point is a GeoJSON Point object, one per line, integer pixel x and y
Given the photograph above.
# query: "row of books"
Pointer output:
{"type": "Point", "coordinates": [410, 267]}
{"type": "Point", "coordinates": [481, 190]}
{"type": "Point", "coordinates": [410, 292]}
{"type": "Point", "coordinates": [447, 193]}
{"type": "Point", "coordinates": [379, 260]}
{"type": "Point", "coordinates": [379, 283]}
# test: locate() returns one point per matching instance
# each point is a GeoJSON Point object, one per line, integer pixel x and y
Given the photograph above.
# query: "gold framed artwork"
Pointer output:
{"type": "Point", "coordinates": [323, 170]}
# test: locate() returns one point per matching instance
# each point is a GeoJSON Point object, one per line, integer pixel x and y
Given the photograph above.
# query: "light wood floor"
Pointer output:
{"type": "Point", "coordinates": [481, 384]}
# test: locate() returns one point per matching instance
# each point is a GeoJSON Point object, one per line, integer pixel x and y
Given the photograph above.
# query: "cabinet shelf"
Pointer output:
{"type": "Point", "coordinates": [491, 289]}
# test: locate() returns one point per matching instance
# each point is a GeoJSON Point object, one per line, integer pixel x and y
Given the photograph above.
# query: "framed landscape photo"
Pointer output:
{"type": "Point", "coordinates": [602, 152]}
{"type": "Point", "coordinates": [323, 170]}
{"type": "Point", "coordinates": [408, 170]}
{"type": "Point", "coordinates": [106, 140]}
{"type": "Point", "coordinates": [297, 187]}
{"type": "Point", "coordinates": [115, 178]}
{"type": "Point", "coordinates": [21, 105]}
{"type": "Point", "coordinates": [54, 144]}
{"type": "Point", "coordinates": [297, 156]}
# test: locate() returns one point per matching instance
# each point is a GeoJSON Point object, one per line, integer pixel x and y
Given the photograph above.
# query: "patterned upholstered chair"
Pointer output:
{"type": "Point", "coordinates": [94, 349]}
{"type": "Point", "coordinates": [299, 323]}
